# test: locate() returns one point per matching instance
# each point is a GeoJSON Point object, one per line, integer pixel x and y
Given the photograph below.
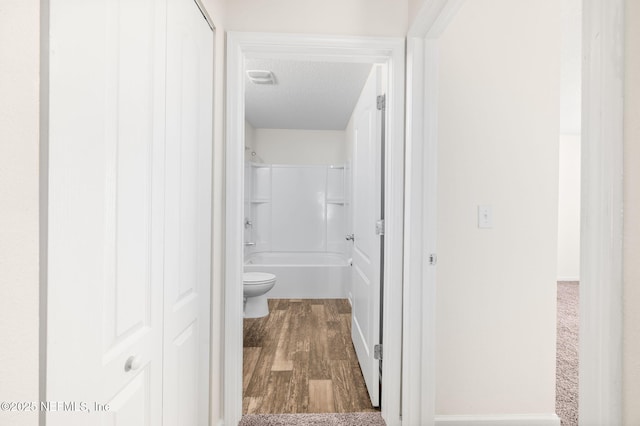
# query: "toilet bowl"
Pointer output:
{"type": "Point", "coordinates": [255, 285]}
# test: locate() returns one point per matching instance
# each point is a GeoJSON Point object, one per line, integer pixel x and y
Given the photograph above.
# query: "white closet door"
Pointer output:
{"type": "Point", "coordinates": [129, 213]}
{"type": "Point", "coordinates": [104, 336]}
{"type": "Point", "coordinates": [187, 255]}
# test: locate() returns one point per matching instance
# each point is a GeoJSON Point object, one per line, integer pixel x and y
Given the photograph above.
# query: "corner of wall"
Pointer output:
{"type": "Point", "coordinates": [19, 206]}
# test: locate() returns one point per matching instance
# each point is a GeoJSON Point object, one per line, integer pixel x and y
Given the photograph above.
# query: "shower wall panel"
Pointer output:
{"type": "Point", "coordinates": [296, 208]}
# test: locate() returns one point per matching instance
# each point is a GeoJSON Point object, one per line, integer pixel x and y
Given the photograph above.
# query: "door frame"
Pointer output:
{"type": "Point", "coordinates": [419, 365]}
{"type": "Point", "coordinates": [600, 370]}
{"type": "Point", "coordinates": [382, 50]}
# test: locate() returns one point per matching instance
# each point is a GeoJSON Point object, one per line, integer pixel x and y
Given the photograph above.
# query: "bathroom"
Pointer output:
{"type": "Point", "coordinates": [301, 133]}
{"type": "Point", "coordinates": [298, 143]}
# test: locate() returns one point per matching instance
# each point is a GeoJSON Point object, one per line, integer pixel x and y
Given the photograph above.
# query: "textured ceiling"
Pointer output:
{"type": "Point", "coordinates": [307, 95]}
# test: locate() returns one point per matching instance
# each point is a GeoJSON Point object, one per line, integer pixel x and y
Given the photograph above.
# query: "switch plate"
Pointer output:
{"type": "Point", "coordinates": [485, 217]}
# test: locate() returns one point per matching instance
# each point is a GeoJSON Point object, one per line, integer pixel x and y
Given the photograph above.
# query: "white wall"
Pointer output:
{"type": "Point", "coordinates": [289, 146]}
{"type": "Point", "coordinates": [631, 342]}
{"type": "Point", "coordinates": [498, 145]}
{"type": "Point", "coordinates": [570, 66]}
{"type": "Point", "coordinates": [413, 9]}
{"type": "Point", "coordinates": [569, 208]}
{"type": "Point", "coordinates": [569, 148]}
{"type": "Point", "coordinates": [19, 151]}
{"type": "Point", "coordinates": [353, 17]}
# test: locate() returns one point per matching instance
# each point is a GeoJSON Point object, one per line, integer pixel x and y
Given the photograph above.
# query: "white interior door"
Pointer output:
{"type": "Point", "coordinates": [187, 259]}
{"type": "Point", "coordinates": [366, 272]}
{"type": "Point", "coordinates": [104, 336]}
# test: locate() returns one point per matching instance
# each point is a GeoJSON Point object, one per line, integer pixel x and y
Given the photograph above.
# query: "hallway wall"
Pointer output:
{"type": "Point", "coordinates": [498, 131]}
{"type": "Point", "coordinates": [570, 140]}
{"type": "Point", "coordinates": [569, 208]}
{"type": "Point", "coordinates": [354, 17]}
{"type": "Point", "coordinates": [19, 205]}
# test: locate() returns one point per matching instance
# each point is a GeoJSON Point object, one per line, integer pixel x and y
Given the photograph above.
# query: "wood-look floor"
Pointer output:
{"type": "Point", "coordinates": [300, 359]}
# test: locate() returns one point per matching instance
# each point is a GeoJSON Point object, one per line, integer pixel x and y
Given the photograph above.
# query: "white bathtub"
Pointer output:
{"type": "Point", "coordinates": [303, 275]}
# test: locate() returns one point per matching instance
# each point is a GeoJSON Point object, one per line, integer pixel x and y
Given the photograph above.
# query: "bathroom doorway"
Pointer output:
{"type": "Point", "coordinates": [312, 198]}
{"type": "Point", "coordinates": [292, 203]}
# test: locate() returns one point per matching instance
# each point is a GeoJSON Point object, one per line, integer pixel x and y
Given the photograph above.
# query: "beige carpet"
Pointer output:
{"type": "Point", "coordinates": [329, 419]}
{"type": "Point", "coordinates": [567, 353]}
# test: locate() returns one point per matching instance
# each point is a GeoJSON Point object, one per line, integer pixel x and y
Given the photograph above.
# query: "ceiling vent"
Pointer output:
{"type": "Point", "coordinates": [261, 77]}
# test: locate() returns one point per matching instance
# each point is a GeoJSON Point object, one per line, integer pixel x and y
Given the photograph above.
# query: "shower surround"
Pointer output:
{"type": "Point", "coordinates": [296, 219]}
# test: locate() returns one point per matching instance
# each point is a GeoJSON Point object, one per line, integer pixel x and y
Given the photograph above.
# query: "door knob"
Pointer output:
{"type": "Point", "coordinates": [350, 237]}
{"type": "Point", "coordinates": [132, 363]}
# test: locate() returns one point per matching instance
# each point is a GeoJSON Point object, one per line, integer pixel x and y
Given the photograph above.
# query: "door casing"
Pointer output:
{"type": "Point", "coordinates": [388, 52]}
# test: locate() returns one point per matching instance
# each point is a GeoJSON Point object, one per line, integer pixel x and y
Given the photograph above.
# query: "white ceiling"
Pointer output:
{"type": "Point", "coordinates": [307, 95]}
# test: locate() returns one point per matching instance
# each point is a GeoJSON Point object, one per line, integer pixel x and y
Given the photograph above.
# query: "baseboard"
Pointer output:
{"type": "Point", "coordinates": [568, 279]}
{"type": "Point", "coordinates": [499, 420]}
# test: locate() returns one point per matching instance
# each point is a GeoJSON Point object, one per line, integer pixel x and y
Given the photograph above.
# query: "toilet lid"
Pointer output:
{"type": "Point", "coordinates": [257, 277]}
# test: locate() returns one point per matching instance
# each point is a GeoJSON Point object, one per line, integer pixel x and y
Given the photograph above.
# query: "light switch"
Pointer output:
{"type": "Point", "coordinates": [485, 217]}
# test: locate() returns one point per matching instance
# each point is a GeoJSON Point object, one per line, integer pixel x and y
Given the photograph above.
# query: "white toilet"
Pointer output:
{"type": "Point", "coordinates": [255, 286]}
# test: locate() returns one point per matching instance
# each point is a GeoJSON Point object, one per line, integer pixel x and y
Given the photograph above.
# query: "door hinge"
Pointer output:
{"type": "Point", "coordinates": [377, 352]}
{"type": "Point", "coordinates": [380, 227]}
{"type": "Point", "coordinates": [381, 102]}
{"type": "Point", "coordinates": [433, 259]}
